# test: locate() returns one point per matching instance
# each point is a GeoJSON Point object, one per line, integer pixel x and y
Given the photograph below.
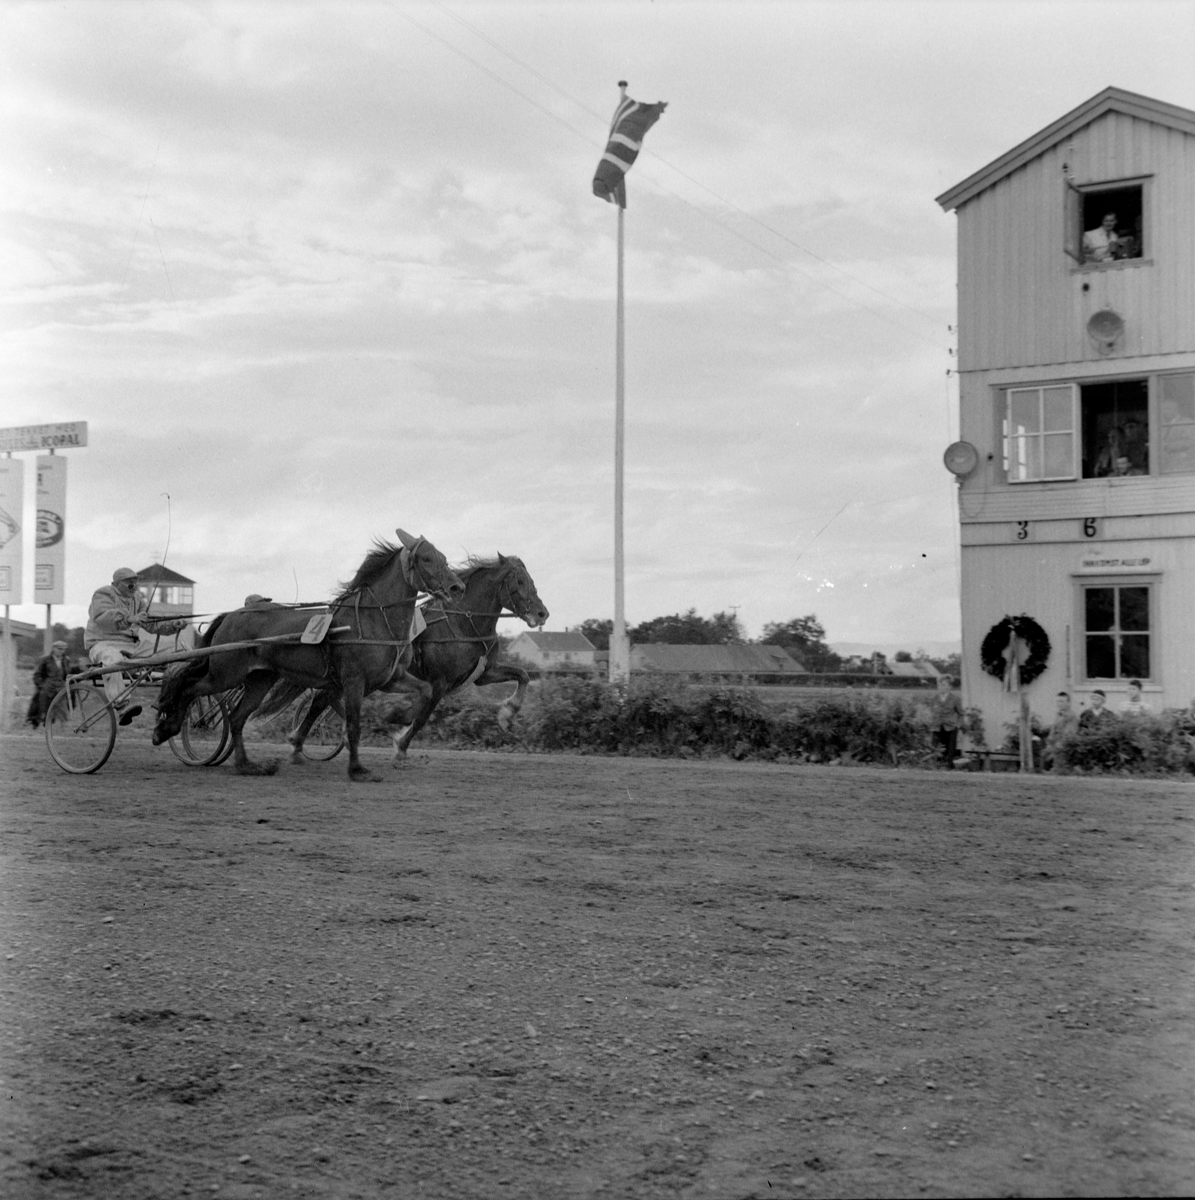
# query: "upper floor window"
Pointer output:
{"type": "Point", "coordinates": [1176, 412]}
{"type": "Point", "coordinates": [1039, 433]}
{"type": "Point", "coordinates": [1105, 222]}
{"type": "Point", "coordinates": [1115, 428]}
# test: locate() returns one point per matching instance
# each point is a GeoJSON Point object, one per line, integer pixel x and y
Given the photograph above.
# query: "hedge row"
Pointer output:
{"type": "Point", "coordinates": [585, 715]}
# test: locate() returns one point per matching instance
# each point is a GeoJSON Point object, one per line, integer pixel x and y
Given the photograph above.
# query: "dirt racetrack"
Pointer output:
{"type": "Point", "coordinates": [514, 976]}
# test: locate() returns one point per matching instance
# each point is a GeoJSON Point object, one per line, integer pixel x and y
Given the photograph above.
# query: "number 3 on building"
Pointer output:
{"type": "Point", "coordinates": [1090, 527]}
{"type": "Point", "coordinates": [1022, 531]}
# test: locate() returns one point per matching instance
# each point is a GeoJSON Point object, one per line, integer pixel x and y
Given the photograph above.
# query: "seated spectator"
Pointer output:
{"type": "Point", "coordinates": [1134, 704]}
{"type": "Point", "coordinates": [1097, 715]}
{"type": "Point", "coordinates": [1099, 244]}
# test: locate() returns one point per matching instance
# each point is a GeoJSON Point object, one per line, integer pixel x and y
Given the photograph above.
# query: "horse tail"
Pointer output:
{"type": "Point", "coordinates": [180, 676]}
{"type": "Point", "coordinates": [282, 694]}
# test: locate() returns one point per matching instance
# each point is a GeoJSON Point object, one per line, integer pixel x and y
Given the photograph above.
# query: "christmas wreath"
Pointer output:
{"type": "Point", "coordinates": [995, 647]}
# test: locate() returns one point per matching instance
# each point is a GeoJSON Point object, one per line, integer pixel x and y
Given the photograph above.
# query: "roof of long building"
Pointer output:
{"type": "Point", "coordinates": [659, 656]}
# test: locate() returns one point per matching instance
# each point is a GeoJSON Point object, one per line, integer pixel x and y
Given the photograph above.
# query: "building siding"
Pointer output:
{"type": "Point", "coordinates": [1021, 298]}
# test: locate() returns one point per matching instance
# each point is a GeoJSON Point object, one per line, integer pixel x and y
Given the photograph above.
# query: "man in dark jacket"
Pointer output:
{"type": "Point", "coordinates": [48, 677]}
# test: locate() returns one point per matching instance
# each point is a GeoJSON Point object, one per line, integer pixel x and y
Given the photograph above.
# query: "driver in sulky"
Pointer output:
{"type": "Point", "coordinates": [117, 612]}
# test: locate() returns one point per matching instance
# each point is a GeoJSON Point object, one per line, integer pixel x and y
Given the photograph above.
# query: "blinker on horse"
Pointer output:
{"type": "Point", "coordinates": [377, 606]}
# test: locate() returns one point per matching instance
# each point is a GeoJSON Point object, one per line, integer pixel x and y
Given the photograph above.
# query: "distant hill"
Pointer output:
{"type": "Point", "coordinates": [889, 649]}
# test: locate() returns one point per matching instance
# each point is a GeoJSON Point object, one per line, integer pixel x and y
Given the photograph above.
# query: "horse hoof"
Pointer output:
{"type": "Point", "coordinates": [361, 775]}
{"type": "Point", "coordinates": [251, 768]}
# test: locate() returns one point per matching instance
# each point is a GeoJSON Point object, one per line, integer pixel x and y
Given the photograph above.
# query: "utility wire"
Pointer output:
{"type": "Point", "coordinates": [457, 50]}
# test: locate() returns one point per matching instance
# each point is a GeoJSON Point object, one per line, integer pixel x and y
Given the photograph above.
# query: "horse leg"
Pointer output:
{"type": "Point", "coordinates": [257, 684]}
{"type": "Point", "coordinates": [352, 694]}
{"type": "Point", "coordinates": [506, 673]}
{"type": "Point", "coordinates": [429, 696]}
{"type": "Point", "coordinates": [298, 736]}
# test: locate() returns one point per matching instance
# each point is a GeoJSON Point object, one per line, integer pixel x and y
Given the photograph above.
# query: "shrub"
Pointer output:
{"type": "Point", "coordinates": [1137, 745]}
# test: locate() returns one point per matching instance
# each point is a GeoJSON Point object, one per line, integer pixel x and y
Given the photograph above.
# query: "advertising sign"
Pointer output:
{"type": "Point", "coordinates": [12, 505]}
{"type": "Point", "coordinates": [49, 555]}
{"type": "Point", "coordinates": [62, 436]}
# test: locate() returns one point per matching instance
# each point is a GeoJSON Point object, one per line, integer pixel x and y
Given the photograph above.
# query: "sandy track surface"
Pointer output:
{"type": "Point", "coordinates": [499, 975]}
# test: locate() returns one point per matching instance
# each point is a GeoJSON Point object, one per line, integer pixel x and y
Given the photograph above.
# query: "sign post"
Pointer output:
{"type": "Point", "coordinates": [12, 500]}
{"type": "Point", "coordinates": [49, 566]}
{"type": "Point", "coordinates": [49, 562]}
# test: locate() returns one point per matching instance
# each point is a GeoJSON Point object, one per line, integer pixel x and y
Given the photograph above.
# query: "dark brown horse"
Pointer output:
{"type": "Point", "coordinates": [459, 645]}
{"type": "Point", "coordinates": [374, 612]}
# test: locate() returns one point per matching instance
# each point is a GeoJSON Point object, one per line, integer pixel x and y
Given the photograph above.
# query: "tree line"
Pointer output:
{"type": "Point", "coordinates": [804, 637]}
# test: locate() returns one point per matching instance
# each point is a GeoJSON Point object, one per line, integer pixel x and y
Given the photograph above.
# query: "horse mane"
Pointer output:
{"type": "Point", "coordinates": [375, 563]}
{"type": "Point", "coordinates": [476, 562]}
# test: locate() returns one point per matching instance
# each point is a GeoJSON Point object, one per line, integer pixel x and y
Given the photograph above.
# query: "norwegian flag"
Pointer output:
{"type": "Point", "coordinates": [631, 121]}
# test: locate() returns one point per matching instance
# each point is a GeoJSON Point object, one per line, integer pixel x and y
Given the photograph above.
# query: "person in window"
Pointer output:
{"type": "Point", "coordinates": [1124, 466]}
{"type": "Point", "coordinates": [1097, 715]}
{"type": "Point", "coordinates": [1105, 464]}
{"type": "Point", "coordinates": [1133, 443]}
{"type": "Point", "coordinates": [1100, 245]}
{"type": "Point", "coordinates": [1134, 704]}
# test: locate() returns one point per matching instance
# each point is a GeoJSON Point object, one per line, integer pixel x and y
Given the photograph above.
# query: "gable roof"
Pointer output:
{"type": "Point", "coordinates": [1111, 99]}
{"type": "Point", "coordinates": [556, 641]}
{"type": "Point", "coordinates": [160, 574]}
{"type": "Point", "coordinates": [745, 660]}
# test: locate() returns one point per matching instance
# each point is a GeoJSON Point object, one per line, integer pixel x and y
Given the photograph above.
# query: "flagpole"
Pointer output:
{"type": "Point", "coordinates": [620, 647]}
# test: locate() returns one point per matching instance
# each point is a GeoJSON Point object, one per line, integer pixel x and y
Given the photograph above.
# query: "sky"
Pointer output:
{"type": "Point", "coordinates": [315, 271]}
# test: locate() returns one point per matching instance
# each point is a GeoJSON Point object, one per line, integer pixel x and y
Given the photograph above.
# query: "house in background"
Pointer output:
{"type": "Point", "coordinates": [917, 668]}
{"type": "Point", "coordinates": [554, 650]}
{"type": "Point", "coordinates": [713, 662]}
{"type": "Point", "coordinates": [1076, 468]}
{"type": "Point", "coordinates": [168, 594]}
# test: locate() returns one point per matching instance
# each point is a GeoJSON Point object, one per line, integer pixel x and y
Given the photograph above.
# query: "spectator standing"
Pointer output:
{"type": "Point", "coordinates": [48, 678]}
{"type": "Point", "coordinates": [1066, 722]}
{"type": "Point", "coordinates": [947, 712]}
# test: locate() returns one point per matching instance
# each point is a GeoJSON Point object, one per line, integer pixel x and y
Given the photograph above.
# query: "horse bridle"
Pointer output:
{"type": "Point", "coordinates": [469, 614]}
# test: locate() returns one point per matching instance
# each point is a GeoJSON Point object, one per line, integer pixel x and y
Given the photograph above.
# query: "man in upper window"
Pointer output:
{"type": "Point", "coordinates": [116, 613]}
{"type": "Point", "coordinates": [1134, 445]}
{"type": "Point", "coordinates": [1099, 245]}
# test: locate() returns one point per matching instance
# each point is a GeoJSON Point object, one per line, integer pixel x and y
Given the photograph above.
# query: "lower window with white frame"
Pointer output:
{"type": "Point", "coordinates": [1119, 628]}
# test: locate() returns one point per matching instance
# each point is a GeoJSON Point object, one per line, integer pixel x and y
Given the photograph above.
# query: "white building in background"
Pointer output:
{"type": "Point", "coordinates": [569, 649]}
{"type": "Point", "coordinates": [1076, 294]}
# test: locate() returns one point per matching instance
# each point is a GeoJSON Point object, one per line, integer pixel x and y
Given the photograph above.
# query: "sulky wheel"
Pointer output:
{"type": "Point", "coordinates": [204, 734]}
{"type": "Point", "coordinates": [80, 729]}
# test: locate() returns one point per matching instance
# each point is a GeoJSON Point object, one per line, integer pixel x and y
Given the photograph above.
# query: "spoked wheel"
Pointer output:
{"type": "Point", "coordinates": [231, 700]}
{"type": "Point", "coordinates": [80, 729]}
{"type": "Point", "coordinates": [325, 739]}
{"type": "Point", "coordinates": [204, 735]}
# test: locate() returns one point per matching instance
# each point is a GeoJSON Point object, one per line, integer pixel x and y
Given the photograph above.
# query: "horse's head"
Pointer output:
{"type": "Point", "coordinates": [425, 568]}
{"type": "Point", "coordinates": [519, 594]}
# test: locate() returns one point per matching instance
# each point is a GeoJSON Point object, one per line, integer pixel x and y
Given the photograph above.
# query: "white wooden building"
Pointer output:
{"type": "Point", "coordinates": [569, 649]}
{"type": "Point", "coordinates": [1077, 403]}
